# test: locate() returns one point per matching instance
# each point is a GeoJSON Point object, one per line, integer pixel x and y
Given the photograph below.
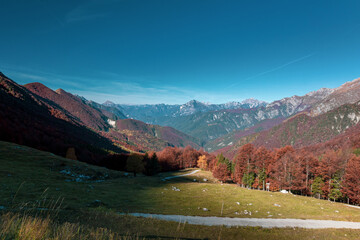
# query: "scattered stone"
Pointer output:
{"type": "Point", "coordinates": [336, 211]}
{"type": "Point", "coordinates": [237, 203]}
{"type": "Point", "coordinates": [270, 215]}
{"type": "Point", "coordinates": [175, 189]}
{"type": "Point", "coordinates": [194, 180]}
{"type": "Point", "coordinates": [284, 191]}
{"type": "Point", "coordinates": [277, 205]}
{"type": "Point", "coordinates": [246, 212]}
{"type": "Point", "coordinates": [250, 204]}
{"type": "Point", "coordinates": [205, 180]}
{"type": "Point", "coordinates": [75, 177]}
{"type": "Point", "coordinates": [236, 213]}
{"type": "Point", "coordinates": [205, 209]}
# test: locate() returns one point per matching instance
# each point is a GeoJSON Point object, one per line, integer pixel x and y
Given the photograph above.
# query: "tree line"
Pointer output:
{"type": "Point", "coordinates": [333, 174]}
{"type": "Point", "coordinates": [329, 174]}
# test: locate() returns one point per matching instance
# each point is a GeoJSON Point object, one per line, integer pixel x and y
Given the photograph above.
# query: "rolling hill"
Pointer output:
{"type": "Point", "coordinates": [30, 120]}
{"type": "Point", "coordinates": [104, 122]}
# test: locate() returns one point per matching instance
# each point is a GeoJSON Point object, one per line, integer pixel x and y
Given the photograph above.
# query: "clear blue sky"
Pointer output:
{"type": "Point", "coordinates": [172, 51]}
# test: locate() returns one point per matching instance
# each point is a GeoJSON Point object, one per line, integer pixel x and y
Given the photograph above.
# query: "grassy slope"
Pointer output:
{"type": "Point", "coordinates": [31, 179]}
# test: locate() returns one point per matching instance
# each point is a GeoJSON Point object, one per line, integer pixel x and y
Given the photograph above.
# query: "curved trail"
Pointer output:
{"type": "Point", "coordinates": [252, 222]}
{"type": "Point", "coordinates": [187, 174]}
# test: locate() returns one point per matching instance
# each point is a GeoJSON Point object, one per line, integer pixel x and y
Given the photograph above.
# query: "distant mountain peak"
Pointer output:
{"type": "Point", "coordinates": [348, 85]}
{"type": "Point", "coordinates": [60, 91]}
{"type": "Point", "coordinates": [321, 92]}
{"type": "Point", "coordinates": [108, 103]}
{"type": "Point", "coordinates": [253, 101]}
{"type": "Point", "coordinates": [195, 102]}
{"type": "Point", "coordinates": [36, 84]}
{"type": "Point", "coordinates": [37, 87]}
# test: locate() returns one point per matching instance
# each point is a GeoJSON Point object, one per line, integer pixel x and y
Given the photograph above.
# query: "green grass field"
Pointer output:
{"type": "Point", "coordinates": [35, 183]}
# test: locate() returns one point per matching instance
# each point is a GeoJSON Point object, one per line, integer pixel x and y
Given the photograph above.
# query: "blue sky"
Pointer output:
{"type": "Point", "coordinates": [172, 51]}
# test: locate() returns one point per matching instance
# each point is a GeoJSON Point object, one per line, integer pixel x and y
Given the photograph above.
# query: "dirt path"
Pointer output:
{"type": "Point", "coordinates": [187, 174]}
{"type": "Point", "coordinates": [252, 222]}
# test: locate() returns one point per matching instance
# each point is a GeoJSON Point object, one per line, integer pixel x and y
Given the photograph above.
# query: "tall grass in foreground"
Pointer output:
{"type": "Point", "coordinates": [34, 220]}
{"type": "Point", "coordinates": [17, 226]}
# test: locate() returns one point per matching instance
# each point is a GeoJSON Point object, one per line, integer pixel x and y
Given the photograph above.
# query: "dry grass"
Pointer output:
{"type": "Point", "coordinates": [42, 203]}
{"type": "Point", "coordinates": [18, 226]}
{"type": "Point", "coordinates": [24, 227]}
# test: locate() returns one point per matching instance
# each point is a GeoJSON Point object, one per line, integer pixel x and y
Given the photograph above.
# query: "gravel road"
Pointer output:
{"type": "Point", "coordinates": [253, 222]}
{"type": "Point", "coordinates": [187, 174]}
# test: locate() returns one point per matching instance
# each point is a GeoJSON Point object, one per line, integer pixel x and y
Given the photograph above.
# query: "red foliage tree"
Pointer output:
{"type": "Point", "coordinates": [262, 159]}
{"type": "Point", "coordinates": [351, 184]}
{"type": "Point", "coordinates": [283, 168]}
{"type": "Point", "coordinates": [328, 166]}
{"type": "Point", "coordinates": [243, 162]}
{"type": "Point", "coordinates": [305, 166]}
{"type": "Point", "coordinates": [222, 172]}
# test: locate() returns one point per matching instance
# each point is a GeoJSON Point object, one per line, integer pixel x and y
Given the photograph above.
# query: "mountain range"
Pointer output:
{"type": "Point", "coordinates": [208, 122]}
{"type": "Point", "coordinates": [55, 121]}
{"type": "Point", "coordinates": [40, 117]}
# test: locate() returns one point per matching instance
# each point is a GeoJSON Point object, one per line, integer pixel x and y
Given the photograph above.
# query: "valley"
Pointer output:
{"type": "Point", "coordinates": [288, 144]}
{"type": "Point", "coordinates": [183, 120]}
{"type": "Point", "coordinates": [42, 185]}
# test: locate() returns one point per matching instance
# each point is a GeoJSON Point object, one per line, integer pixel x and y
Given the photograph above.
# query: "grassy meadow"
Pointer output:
{"type": "Point", "coordinates": [81, 201]}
